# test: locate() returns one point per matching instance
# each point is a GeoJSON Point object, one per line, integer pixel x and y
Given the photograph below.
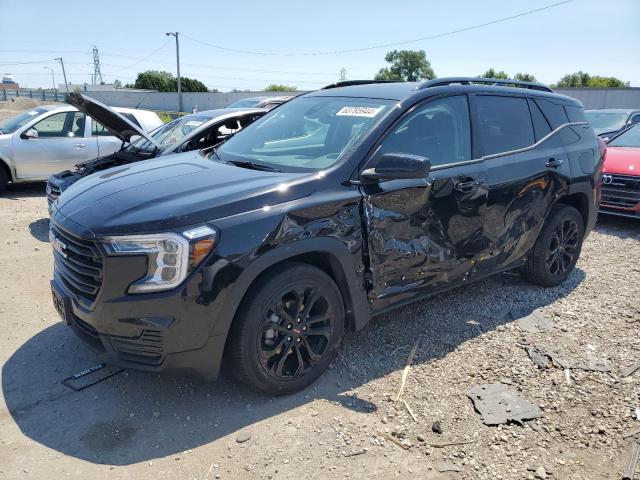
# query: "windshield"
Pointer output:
{"type": "Point", "coordinates": [308, 133]}
{"type": "Point", "coordinates": [167, 135]}
{"type": "Point", "coordinates": [630, 138]}
{"type": "Point", "coordinates": [606, 121]}
{"type": "Point", "coordinates": [18, 121]}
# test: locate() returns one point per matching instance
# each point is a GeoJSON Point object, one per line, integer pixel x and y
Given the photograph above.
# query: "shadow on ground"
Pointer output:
{"type": "Point", "coordinates": [16, 191]}
{"type": "Point", "coordinates": [621, 227]}
{"type": "Point", "coordinates": [135, 416]}
{"type": "Point", "coordinates": [40, 229]}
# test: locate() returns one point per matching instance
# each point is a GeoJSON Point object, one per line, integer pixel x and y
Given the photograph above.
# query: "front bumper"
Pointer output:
{"type": "Point", "coordinates": [145, 334]}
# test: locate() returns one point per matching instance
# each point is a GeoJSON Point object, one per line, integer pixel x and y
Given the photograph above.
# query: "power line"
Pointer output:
{"type": "Point", "coordinates": [383, 45]}
{"type": "Point", "coordinates": [143, 58]}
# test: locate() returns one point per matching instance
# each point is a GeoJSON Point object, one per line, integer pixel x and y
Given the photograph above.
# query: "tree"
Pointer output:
{"type": "Point", "coordinates": [191, 85]}
{"type": "Point", "coordinates": [491, 73]}
{"type": "Point", "coordinates": [117, 84]}
{"type": "Point", "coordinates": [582, 79]}
{"type": "Point", "coordinates": [280, 88]}
{"type": "Point", "coordinates": [155, 80]}
{"type": "Point", "coordinates": [166, 82]}
{"type": "Point", "coordinates": [406, 65]}
{"type": "Point", "coordinates": [525, 77]}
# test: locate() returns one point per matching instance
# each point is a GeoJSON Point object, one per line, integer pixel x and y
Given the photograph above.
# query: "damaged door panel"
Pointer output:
{"type": "Point", "coordinates": [424, 235]}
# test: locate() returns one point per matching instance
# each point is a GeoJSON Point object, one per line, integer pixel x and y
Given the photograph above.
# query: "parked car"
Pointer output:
{"type": "Point", "coordinates": [621, 175]}
{"type": "Point", "coordinates": [609, 122]}
{"type": "Point", "coordinates": [42, 141]}
{"type": "Point", "coordinates": [191, 132]}
{"type": "Point", "coordinates": [265, 102]}
{"type": "Point", "coordinates": [337, 206]}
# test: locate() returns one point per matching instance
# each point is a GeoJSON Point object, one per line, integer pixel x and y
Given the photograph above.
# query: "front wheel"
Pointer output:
{"type": "Point", "coordinates": [557, 248]}
{"type": "Point", "coordinates": [287, 330]}
{"type": "Point", "coordinates": [4, 179]}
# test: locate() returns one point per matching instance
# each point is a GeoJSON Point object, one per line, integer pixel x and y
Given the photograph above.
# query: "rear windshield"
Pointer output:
{"type": "Point", "coordinates": [305, 133]}
{"type": "Point", "coordinates": [606, 121]}
{"type": "Point", "coordinates": [14, 123]}
{"type": "Point", "coordinates": [244, 103]}
{"type": "Point", "coordinates": [630, 138]}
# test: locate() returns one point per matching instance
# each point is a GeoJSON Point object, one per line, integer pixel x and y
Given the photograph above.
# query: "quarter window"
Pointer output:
{"type": "Point", "coordinates": [575, 114]}
{"type": "Point", "coordinates": [439, 130]}
{"type": "Point", "coordinates": [504, 123]}
{"type": "Point", "coordinates": [554, 112]}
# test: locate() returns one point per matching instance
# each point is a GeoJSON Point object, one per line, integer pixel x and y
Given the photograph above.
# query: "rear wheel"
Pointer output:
{"type": "Point", "coordinates": [287, 330]}
{"type": "Point", "coordinates": [557, 249]}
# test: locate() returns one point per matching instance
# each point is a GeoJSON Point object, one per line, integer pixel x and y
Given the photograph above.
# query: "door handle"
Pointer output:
{"type": "Point", "coordinates": [554, 162]}
{"type": "Point", "coordinates": [468, 186]}
{"type": "Point", "coordinates": [79, 145]}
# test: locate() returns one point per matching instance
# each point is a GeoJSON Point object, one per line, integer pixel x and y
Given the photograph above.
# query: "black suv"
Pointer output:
{"type": "Point", "coordinates": [333, 207]}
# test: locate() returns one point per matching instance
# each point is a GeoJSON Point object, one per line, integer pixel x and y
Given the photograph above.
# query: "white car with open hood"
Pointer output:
{"type": "Point", "coordinates": [44, 140]}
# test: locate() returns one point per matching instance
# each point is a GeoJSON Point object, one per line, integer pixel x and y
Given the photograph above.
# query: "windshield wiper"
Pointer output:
{"type": "Point", "coordinates": [252, 165]}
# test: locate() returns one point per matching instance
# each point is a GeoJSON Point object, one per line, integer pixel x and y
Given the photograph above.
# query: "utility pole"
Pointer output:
{"type": "Point", "coordinates": [175, 34]}
{"type": "Point", "coordinates": [64, 74]}
{"type": "Point", "coordinates": [97, 76]}
{"type": "Point", "coordinates": [53, 79]}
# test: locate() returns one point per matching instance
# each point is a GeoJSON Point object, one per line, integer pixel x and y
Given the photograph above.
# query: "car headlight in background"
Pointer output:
{"type": "Point", "coordinates": [171, 257]}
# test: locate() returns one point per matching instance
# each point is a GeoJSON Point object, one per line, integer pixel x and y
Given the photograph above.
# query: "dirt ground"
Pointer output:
{"type": "Point", "coordinates": [18, 105]}
{"type": "Point", "coordinates": [348, 425]}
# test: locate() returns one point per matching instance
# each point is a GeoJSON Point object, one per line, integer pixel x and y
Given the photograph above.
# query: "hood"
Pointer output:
{"type": "Point", "coordinates": [117, 124]}
{"type": "Point", "coordinates": [622, 161]}
{"type": "Point", "coordinates": [170, 192]}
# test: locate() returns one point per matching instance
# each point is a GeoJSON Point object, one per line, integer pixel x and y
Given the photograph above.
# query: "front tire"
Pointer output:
{"type": "Point", "coordinates": [557, 248]}
{"type": "Point", "coordinates": [4, 179]}
{"type": "Point", "coordinates": [287, 330]}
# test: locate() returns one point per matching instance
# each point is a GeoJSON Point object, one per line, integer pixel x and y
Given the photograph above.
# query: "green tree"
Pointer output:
{"type": "Point", "coordinates": [406, 65]}
{"type": "Point", "coordinates": [582, 79]}
{"type": "Point", "coordinates": [525, 77]}
{"type": "Point", "coordinates": [191, 85]}
{"type": "Point", "coordinates": [492, 73]}
{"type": "Point", "coordinates": [274, 87]}
{"type": "Point", "coordinates": [155, 80]}
{"type": "Point", "coordinates": [117, 84]}
{"type": "Point", "coordinates": [166, 82]}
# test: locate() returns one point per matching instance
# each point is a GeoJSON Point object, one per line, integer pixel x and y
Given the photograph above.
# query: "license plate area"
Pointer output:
{"type": "Point", "coordinates": [62, 305]}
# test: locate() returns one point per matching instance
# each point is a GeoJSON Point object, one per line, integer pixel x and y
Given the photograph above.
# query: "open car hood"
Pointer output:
{"type": "Point", "coordinates": [117, 124]}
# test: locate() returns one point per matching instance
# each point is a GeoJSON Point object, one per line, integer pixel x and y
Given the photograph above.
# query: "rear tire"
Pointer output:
{"type": "Point", "coordinates": [287, 330]}
{"type": "Point", "coordinates": [557, 248]}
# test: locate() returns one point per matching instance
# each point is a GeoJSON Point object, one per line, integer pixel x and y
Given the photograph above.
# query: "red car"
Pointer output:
{"type": "Point", "coordinates": [621, 175]}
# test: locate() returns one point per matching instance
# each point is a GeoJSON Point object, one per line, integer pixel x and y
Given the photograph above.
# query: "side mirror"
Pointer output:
{"type": "Point", "coordinates": [398, 165]}
{"type": "Point", "coordinates": [31, 133]}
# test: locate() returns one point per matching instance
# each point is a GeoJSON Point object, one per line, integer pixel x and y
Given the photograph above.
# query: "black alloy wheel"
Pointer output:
{"type": "Point", "coordinates": [557, 248]}
{"type": "Point", "coordinates": [288, 328]}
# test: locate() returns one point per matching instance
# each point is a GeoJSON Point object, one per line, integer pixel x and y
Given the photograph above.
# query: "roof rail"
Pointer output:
{"type": "Point", "coordinates": [348, 83]}
{"type": "Point", "coordinates": [438, 82]}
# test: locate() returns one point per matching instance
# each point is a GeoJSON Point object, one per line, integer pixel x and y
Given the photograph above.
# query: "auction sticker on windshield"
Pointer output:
{"type": "Point", "coordinates": [359, 111]}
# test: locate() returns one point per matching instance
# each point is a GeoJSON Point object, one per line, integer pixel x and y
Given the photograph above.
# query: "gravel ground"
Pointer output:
{"type": "Point", "coordinates": [347, 425]}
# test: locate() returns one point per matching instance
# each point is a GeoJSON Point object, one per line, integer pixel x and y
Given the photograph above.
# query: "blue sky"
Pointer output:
{"type": "Point", "coordinates": [597, 36]}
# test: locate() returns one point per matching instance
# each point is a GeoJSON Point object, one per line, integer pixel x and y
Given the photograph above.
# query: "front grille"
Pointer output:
{"type": "Point", "coordinates": [622, 191]}
{"type": "Point", "coordinates": [78, 263]}
{"type": "Point", "coordinates": [53, 193]}
{"type": "Point", "coordinates": [146, 349]}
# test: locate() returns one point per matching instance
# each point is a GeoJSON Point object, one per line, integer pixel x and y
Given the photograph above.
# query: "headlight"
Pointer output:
{"type": "Point", "coordinates": [170, 256]}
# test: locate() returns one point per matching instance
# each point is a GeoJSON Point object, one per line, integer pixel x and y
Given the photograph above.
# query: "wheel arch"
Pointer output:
{"type": "Point", "coordinates": [4, 165]}
{"type": "Point", "coordinates": [580, 202]}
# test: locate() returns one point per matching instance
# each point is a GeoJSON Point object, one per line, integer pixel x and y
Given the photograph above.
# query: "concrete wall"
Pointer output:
{"type": "Point", "coordinates": [168, 101]}
{"type": "Point", "coordinates": [593, 98]}
{"type": "Point", "coordinates": [590, 98]}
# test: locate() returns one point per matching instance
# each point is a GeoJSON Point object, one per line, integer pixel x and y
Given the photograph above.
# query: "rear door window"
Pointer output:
{"type": "Point", "coordinates": [540, 125]}
{"type": "Point", "coordinates": [554, 112]}
{"type": "Point", "coordinates": [504, 123]}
